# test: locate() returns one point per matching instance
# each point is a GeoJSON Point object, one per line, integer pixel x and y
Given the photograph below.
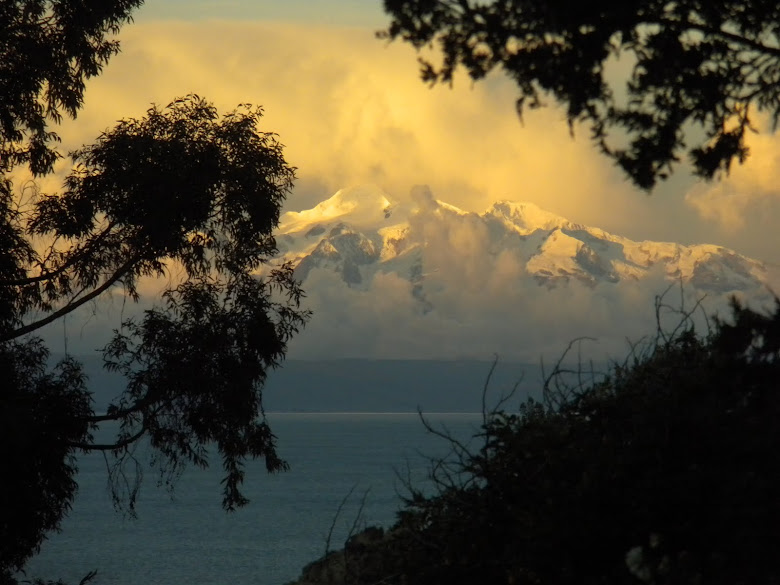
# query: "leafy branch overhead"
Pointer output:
{"type": "Point", "coordinates": [699, 72]}
{"type": "Point", "coordinates": [48, 49]}
{"type": "Point", "coordinates": [178, 185]}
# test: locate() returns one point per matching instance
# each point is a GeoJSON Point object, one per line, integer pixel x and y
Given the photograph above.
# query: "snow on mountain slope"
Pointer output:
{"type": "Point", "coordinates": [359, 232]}
{"type": "Point", "coordinates": [361, 205]}
{"type": "Point", "coordinates": [424, 278]}
{"type": "Point", "coordinates": [526, 217]}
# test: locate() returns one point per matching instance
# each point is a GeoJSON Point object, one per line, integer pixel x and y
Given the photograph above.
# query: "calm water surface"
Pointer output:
{"type": "Point", "coordinates": [188, 539]}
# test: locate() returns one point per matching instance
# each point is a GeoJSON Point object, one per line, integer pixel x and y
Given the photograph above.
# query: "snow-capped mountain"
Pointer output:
{"type": "Point", "coordinates": [424, 279]}
{"type": "Point", "coordinates": [358, 232]}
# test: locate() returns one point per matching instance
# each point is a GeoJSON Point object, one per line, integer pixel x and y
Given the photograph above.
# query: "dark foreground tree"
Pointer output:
{"type": "Point", "coordinates": [699, 71]}
{"type": "Point", "coordinates": [182, 195]}
{"type": "Point", "coordinates": [48, 49]}
{"type": "Point", "coordinates": [667, 471]}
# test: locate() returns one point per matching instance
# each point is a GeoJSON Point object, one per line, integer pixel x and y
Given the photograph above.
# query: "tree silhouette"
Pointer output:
{"type": "Point", "coordinates": [48, 49]}
{"type": "Point", "coordinates": [181, 194]}
{"type": "Point", "coordinates": [699, 71]}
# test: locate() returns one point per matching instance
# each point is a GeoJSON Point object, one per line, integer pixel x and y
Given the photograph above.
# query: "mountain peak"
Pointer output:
{"type": "Point", "coordinates": [359, 233]}
{"type": "Point", "coordinates": [526, 217]}
{"type": "Point", "coordinates": [359, 205]}
{"type": "Point", "coordinates": [422, 277]}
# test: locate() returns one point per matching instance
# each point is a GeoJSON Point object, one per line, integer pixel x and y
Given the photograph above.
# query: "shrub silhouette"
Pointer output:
{"type": "Point", "coordinates": [664, 471]}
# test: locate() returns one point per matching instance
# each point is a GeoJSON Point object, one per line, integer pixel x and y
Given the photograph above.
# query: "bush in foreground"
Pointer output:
{"type": "Point", "coordinates": [665, 471]}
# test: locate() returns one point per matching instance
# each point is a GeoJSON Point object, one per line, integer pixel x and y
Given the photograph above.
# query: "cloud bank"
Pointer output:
{"type": "Point", "coordinates": [750, 194]}
{"type": "Point", "coordinates": [351, 110]}
{"type": "Point", "coordinates": [475, 316]}
{"type": "Point", "coordinates": [460, 287]}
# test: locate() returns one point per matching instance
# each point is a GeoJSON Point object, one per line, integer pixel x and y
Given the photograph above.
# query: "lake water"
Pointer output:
{"type": "Point", "coordinates": [188, 538]}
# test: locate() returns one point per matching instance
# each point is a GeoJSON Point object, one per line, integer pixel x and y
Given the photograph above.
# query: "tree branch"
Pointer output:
{"type": "Point", "coordinates": [29, 328]}
{"type": "Point", "coordinates": [739, 39]}
{"type": "Point", "coordinates": [116, 415]}
{"type": "Point", "coordinates": [68, 263]}
{"type": "Point", "coordinates": [110, 446]}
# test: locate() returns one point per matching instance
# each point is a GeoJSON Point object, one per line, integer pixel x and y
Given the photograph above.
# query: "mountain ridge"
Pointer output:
{"type": "Point", "coordinates": [359, 232]}
{"type": "Point", "coordinates": [419, 278]}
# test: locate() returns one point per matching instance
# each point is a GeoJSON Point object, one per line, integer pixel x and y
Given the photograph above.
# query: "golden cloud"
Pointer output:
{"type": "Point", "coordinates": [747, 187]}
{"type": "Point", "coordinates": [351, 109]}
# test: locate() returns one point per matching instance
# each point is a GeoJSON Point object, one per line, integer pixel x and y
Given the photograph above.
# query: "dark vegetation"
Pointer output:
{"type": "Point", "coordinates": [182, 194]}
{"type": "Point", "coordinates": [700, 71]}
{"type": "Point", "coordinates": [665, 471]}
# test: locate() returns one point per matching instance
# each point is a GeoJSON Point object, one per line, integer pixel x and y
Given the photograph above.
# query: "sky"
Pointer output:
{"type": "Point", "coordinates": [351, 110]}
{"type": "Point", "coordinates": [366, 13]}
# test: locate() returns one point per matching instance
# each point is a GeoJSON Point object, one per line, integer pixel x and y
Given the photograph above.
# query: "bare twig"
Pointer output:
{"type": "Point", "coordinates": [336, 517]}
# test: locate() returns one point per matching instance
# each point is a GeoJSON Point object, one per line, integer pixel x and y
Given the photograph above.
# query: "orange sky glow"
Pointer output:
{"type": "Point", "coordinates": [351, 110]}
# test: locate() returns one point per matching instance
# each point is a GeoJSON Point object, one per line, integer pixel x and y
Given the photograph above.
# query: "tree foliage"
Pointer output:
{"type": "Point", "coordinates": [48, 49]}
{"type": "Point", "coordinates": [665, 471]}
{"type": "Point", "coordinates": [42, 413]}
{"type": "Point", "coordinates": [699, 71]}
{"type": "Point", "coordinates": [183, 195]}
